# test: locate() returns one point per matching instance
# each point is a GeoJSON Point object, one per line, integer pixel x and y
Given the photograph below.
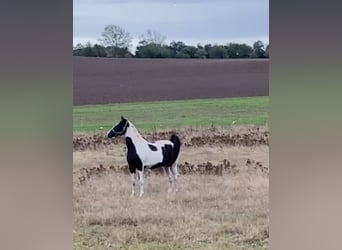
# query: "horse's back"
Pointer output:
{"type": "Point", "coordinates": [162, 143]}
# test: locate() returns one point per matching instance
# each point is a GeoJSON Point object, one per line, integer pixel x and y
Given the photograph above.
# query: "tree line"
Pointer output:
{"type": "Point", "coordinates": [115, 42]}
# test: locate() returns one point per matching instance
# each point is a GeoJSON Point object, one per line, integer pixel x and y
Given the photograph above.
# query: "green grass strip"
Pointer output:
{"type": "Point", "coordinates": [163, 115]}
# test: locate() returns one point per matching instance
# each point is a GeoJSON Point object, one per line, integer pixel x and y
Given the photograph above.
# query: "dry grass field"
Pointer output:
{"type": "Point", "coordinates": [225, 211]}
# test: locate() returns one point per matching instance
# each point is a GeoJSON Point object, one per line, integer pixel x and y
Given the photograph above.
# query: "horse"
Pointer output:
{"type": "Point", "coordinates": [142, 154]}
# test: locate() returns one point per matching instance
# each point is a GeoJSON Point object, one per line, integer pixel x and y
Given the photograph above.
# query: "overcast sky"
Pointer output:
{"type": "Point", "coordinates": [190, 21]}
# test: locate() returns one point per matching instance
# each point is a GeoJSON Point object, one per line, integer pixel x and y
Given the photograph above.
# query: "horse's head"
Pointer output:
{"type": "Point", "coordinates": [118, 129]}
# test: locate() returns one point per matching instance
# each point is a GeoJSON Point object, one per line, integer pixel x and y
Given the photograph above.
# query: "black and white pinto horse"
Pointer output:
{"type": "Point", "coordinates": [143, 154]}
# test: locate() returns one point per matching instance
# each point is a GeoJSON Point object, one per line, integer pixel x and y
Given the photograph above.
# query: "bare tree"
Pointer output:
{"type": "Point", "coordinates": [116, 37]}
{"type": "Point", "coordinates": [152, 36]}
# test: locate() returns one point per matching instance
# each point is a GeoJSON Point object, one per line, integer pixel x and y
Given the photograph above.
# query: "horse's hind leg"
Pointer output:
{"type": "Point", "coordinates": [174, 170]}
{"type": "Point", "coordinates": [169, 173]}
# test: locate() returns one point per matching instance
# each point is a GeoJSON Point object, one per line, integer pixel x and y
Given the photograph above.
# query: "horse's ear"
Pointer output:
{"type": "Point", "coordinates": [122, 118]}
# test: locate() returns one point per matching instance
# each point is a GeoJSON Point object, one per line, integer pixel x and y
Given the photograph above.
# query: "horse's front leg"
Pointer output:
{"type": "Point", "coordinates": [133, 177]}
{"type": "Point", "coordinates": [141, 181]}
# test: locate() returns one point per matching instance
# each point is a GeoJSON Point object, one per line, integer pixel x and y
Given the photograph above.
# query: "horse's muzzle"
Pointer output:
{"type": "Point", "coordinates": [111, 134]}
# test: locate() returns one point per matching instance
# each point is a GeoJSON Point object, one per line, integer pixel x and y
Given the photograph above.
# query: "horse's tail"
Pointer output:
{"type": "Point", "coordinates": [176, 147]}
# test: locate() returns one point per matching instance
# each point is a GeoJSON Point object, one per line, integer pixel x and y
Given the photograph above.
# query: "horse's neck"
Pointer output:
{"type": "Point", "coordinates": [133, 133]}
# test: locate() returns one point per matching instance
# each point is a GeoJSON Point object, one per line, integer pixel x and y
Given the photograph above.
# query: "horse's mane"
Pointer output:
{"type": "Point", "coordinates": [132, 126]}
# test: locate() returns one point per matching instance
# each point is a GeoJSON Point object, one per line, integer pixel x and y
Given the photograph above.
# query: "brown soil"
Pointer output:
{"type": "Point", "coordinates": [105, 80]}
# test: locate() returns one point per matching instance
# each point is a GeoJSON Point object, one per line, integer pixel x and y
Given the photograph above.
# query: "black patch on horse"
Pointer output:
{"type": "Point", "coordinates": [119, 129]}
{"type": "Point", "coordinates": [167, 157]}
{"type": "Point", "coordinates": [134, 162]}
{"type": "Point", "coordinates": [152, 147]}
